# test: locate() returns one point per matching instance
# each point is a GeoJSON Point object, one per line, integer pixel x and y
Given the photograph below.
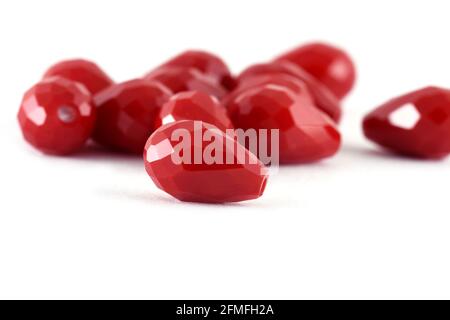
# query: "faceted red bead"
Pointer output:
{"type": "Point", "coordinates": [328, 64]}
{"type": "Point", "coordinates": [183, 79]}
{"type": "Point", "coordinates": [323, 98]}
{"type": "Point", "coordinates": [207, 63]}
{"type": "Point", "coordinates": [416, 124]}
{"type": "Point", "coordinates": [202, 181]}
{"type": "Point", "coordinates": [195, 105]}
{"type": "Point", "coordinates": [306, 134]}
{"type": "Point", "coordinates": [284, 80]}
{"type": "Point", "coordinates": [56, 116]}
{"type": "Point", "coordinates": [276, 67]}
{"type": "Point", "coordinates": [127, 113]}
{"type": "Point", "coordinates": [83, 71]}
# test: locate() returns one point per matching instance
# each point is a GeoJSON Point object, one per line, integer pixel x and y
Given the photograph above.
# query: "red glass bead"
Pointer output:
{"type": "Point", "coordinates": [328, 64]}
{"type": "Point", "coordinates": [127, 113]}
{"type": "Point", "coordinates": [276, 67]}
{"type": "Point", "coordinates": [56, 116]}
{"type": "Point", "coordinates": [306, 134]}
{"type": "Point", "coordinates": [284, 80]}
{"type": "Point", "coordinates": [83, 71]}
{"type": "Point", "coordinates": [323, 98]}
{"type": "Point", "coordinates": [199, 181]}
{"type": "Point", "coordinates": [182, 79]}
{"type": "Point", "coordinates": [205, 62]}
{"type": "Point", "coordinates": [416, 124]}
{"type": "Point", "coordinates": [195, 105]}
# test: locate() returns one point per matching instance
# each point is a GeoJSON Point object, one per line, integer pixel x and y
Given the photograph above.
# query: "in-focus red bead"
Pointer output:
{"type": "Point", "coordinates": [189, 176]}
{"type": "Point", "coordinates": [56, 116]}
{"type": "Point", "coordinates": [82, 71]}
{"type": "Point", "coordinates": [328, 64]}
{"type": "Point", "coordinates": [207, 63]}
{"type": "Point", "coordinates": [323, 98]}
{"type": "Point", "coordinates": [179, 79]}
{"type": "Point", "coordinates": [195, 105]}
{"type": "Point", "coordinates": [416, 124]}
{"type": "Point", "coordinates": [306, 133]}
{"type": "Point", "coordinates": [127, 113]}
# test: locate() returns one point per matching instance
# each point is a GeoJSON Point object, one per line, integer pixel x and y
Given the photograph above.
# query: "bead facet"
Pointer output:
{"type": "Point", "coordinates": [57, 116]}
{"type": "Point", "coordinates": [127, 113]}
{"type": "Point", "coordinates": [416, 124]}
{"type": "Point", "coordinates": [199, 181]}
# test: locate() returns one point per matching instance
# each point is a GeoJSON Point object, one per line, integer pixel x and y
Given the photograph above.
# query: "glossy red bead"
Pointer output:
{"type": "Point", "coordinates": [323, 98]}
{"type": "Point", "coordinates": [306, 134]}
{"type": "Point", "coordinates": [207, 63]}
{"type": "Point", "coordinates": [57, 116]}
{"type": "Point", "coordinates": [82, 71]}
{"type": "Point", "coordinates": [330, 65]}
{"type": "Point", "coordinates": [195, 105]}
{"type": "Point", "coordinates": [127, 113]}
{"type": "Point", "coordinates": [416, 124]}
{"type": "Point", "coordinates": [199, 181]}
{"type": "Point", "coordinates": [283, 80]}
{"type": "Point", "coordinates": [179, 79]}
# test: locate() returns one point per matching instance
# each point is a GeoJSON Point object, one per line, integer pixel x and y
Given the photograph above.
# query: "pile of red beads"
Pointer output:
{"type": "Point", "coordinates": [298, 94]}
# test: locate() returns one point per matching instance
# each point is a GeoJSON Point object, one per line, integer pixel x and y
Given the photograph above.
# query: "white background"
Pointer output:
{"type": "Point", "coordinates": [363, 224]}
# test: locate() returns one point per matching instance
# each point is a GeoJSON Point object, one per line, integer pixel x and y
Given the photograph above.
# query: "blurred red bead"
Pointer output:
{"type": "Point", "coordinates": [195, 105]}
{"type": "Point", "coordinates": [328, 64]}
{"type": "Point", "coordinates": [127, 113]}
{"type": "Point", "coordinates": [200, 181]}
{"type": "Point", "coordinates": [323, 98]}
{"type": "Point", "coordinates": [416, 124]}
{"type": "Point", "coordinates": [57, 116]}
{"type": "Point", "coordinates": [179, 79]}
{"type": "Point", "coordinates": [278, 79]}
{"type": "Point", "coordinates": [207, 63]}
{"type": "Point", "coordinates": [276, 67]}
{"type": "Point", "coordinates": [306, 134]}
{"type": "Point", "coordinates": [82, 71]}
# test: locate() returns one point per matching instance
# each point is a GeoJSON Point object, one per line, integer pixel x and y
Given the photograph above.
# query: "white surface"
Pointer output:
{"type": "Point", "coordinates": [361, 225]}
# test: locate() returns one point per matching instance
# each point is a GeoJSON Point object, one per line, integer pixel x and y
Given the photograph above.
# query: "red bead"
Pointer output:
{"type": "Point", "coordinates": [198, 181]}
{"type": "Point", "coordinates": [416, 124]}
{"type": "Point", "coordinates": [278, 80]}
{"type": "Point", "coordinates": [284, 80]}
{"type": "Point", "coordinates": [306, 134]}
{"type": "Point", "coordinates": [182, 79]}
{"type": "Point", "coordinates": [205, 62]}
{"type": "Point", "coordinates": [194, 105]}
{"type": "Point", "coordinates": [127, 113]}
{"type": "Point", "coordinates": [83, 71]}
{"type": "Point", "coordinates": [323, 98]}
{"type": "Point", "coordinates": [328, 64]}
{"type": "Point", "coordinates": [276, 67]}
{"type": "Point", "coordinates": [56, 116]}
